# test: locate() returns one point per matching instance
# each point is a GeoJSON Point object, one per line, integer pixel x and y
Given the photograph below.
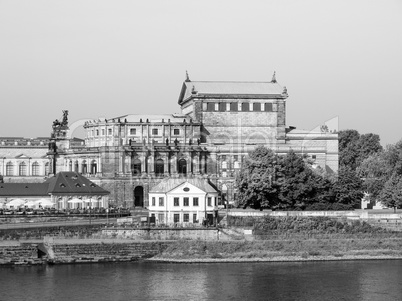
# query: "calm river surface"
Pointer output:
{"type": "Point", "coordinates": [349, 280]}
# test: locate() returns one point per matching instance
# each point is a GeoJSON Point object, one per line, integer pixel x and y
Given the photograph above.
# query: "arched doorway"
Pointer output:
{"type": "Point", "coordinates": [139, 196]}
{"type": "Point", "coordinates": [182, 164]}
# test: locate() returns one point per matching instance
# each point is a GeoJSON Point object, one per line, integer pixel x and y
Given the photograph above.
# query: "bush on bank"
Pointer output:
{"type": "Point", "coordinates": [304, 225]}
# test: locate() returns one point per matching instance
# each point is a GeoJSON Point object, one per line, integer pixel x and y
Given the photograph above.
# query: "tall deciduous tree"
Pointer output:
{"type": "Point", "coordinates": [355, 148]}
{"type": "Point", "coordinates": [391, 194]}
{"type": "Point", "coordinates": [348, 188]}
{"type": "Point", "coordinates": [257, 182]}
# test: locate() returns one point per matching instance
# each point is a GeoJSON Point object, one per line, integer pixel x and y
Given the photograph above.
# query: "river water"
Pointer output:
{"type": "Point", "coordinates": [347, 280]}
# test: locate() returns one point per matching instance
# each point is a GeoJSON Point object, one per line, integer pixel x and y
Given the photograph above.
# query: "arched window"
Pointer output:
{"type": "Point", "coordinates": [159, 167]}
{"type": "Point", "coordinates": [256, 106]}
{"type": "Point", "coordinates": [76, 166]}
{"type": "Point", "coordinates": [136, 167]}
{"type": "Point", "coordinates": [234, 107]}
{"type": "Point", "coordinates": [245, 107]}
{"type": "Point", "coordinates": [94, 167]}
{"type": "Point", "coordinates": [35, 169]}
{"type": "Point", "coordinates": [9, 169]}
{"type": "Point", "coordinates": [47, 168]}
{"type": "Point", "coordinates": [22, 169]}
{"type": "Point", "coordinates": [182, 166]}
{"type": "Point", "coordinates": [84, 167]}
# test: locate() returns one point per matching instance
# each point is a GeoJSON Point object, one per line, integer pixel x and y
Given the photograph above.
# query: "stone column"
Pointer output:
{"type": "Point", "coordinates": [196, 164]}
{"type": "Point", "coordinates": [202, 159]}
{"type": "Point", "coordinates": [151, 165]}
{"type": "Point", "coordinates": [166, 163]}
{"type": "Point", "coordinates": [143, 159]}
{"type": "Point", "coordinates": [189, 161]}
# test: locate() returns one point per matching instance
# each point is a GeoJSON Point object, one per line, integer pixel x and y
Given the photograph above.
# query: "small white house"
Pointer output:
{"type": "Point", "coordinates": [182, 201]}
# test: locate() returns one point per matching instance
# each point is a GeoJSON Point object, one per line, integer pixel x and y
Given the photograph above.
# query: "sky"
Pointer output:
{"type": "Point", "coordinates": [340, 60]}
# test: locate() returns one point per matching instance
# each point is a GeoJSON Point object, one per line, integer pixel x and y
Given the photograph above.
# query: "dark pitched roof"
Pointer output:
{"type": "Point", "coordinates": [23, 189]}
{"type": "Point", "coordinates": [73, 183]}
{"type": "Point", "coordinates": [64, 183]}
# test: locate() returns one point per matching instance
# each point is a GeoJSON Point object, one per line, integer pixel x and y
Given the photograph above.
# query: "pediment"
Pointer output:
{"type": "Point", "coordinates": [22, 156]}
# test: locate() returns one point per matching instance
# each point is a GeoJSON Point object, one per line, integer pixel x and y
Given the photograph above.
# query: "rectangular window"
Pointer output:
{"type": "Point", "coordinates": [103, 132]}
{"type": "Point", "coordinates": [161, 201]}
{"type": "Point", "coordinates": [234, 106]}
{"type": "Point", "coordinates": [222, 107]}
{"type": "Point", "coordinates": [185, 202]}
{"type": "Point", "coordinates": [245, 107]}
{"type": "Point", "coordinates": [153, 201]}
{"type": "Point", "coordinates": [210, 106]}
{"type": "Point", "coordinates": [154, 131]}
{"type": "Point", "coordinates": [161, 218]}
{"type": "Point", "coordinates": [209, 201]}
{"type": "Point", "coordinates": [133, 132]}
{"type": "Point", "coordinates": [313, 157]}
{"type": "Point", "coordinates": [176, 132]}
{"type": "Point", "coordinates": [195, 218]}
{"type": "Point", "coordinates": [176, 218]}
{"type": "Point", "coordinates": [176, 202]}
{"type": "Point", "coordinates": [256, 106]}
{"type": "Point", "coordinates": [268, 107]}
{"type": "Point", "coordinates": [186, 217]}
{"type": "Point", "coordinates": [109, 131]}
{"type": "Point", "coordinates": [195, 201]}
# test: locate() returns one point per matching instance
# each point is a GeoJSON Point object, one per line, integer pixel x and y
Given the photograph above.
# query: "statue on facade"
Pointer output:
{"type": "Point", "coordinates": [167, 141]}
{"type": "Point", "coordinates": [176, 142]}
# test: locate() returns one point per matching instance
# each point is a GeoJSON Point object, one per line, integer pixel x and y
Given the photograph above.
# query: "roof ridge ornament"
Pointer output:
{"type": "Point", "coordinates": [187, 77]}
{"type": "Point", "coordinates": [285, 91]}
{"type": "Point", "coordinates": [273, 77]}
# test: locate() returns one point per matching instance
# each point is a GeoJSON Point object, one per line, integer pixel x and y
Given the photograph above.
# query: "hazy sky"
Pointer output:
{"type": "Point", "coordinates": [107, 58]}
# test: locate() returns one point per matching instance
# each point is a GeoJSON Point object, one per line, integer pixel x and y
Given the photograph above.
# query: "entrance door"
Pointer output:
{"type": "Point", "coordinates": [139, 196]}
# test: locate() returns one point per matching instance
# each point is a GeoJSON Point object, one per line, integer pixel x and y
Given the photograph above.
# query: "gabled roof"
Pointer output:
{"type": "Point", "coordinates": [205, 88]}
{"type": "Point", "coordinates": [73, 183]}
{"type": "Point", "coordinates": [23, 189]}
{"type": "Point", "coordinates": [169, 184]}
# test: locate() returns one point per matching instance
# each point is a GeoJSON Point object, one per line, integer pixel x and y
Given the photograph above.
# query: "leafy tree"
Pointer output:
{"type": "Point", "coordinates": [257, 182]}
{"type": "Point", "coordinates": [391, 194]}
{"type": "Point", "coordinates": [354, 148]}
{"type": "Point", "coordinates": [298, 182]}
{"type": "Point", "coordinates": [280, 182]}
{"type": "Point", "coordinates": [375, 170]}
{"type": "Point", "coordinates": [348, 188]}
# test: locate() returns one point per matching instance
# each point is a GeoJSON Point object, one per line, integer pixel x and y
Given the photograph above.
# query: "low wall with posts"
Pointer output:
{"type": "Point", "coordinates": [174, 233]}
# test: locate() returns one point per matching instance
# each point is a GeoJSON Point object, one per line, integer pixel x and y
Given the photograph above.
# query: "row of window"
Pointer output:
{"type": "Point", "coordinates": [23, 169]}
{"type": "Point", "coordinates": [236, 107]}
{"type": "Point", "coordinates": [176, 217]}
{"type": "Point", "coordinates": [133, 132]}
{"type": "Point", "coordinates": [186, 201]}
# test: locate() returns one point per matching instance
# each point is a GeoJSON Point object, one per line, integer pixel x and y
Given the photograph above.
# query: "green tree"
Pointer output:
{"type": "Point", "coordinates": [348, 188]}
{"type": "Point", "coordinates": [257, 183]}
{"type": "Point", "coordinates": [299, 184]}
{"type": "Point", "coordinates": [354, 148]}
{"type": "Point", "coordinates": [391, 194]}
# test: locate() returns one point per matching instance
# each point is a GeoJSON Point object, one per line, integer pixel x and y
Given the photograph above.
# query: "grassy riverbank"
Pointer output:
{"type": "Point", "coordinates": [283, 250]}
